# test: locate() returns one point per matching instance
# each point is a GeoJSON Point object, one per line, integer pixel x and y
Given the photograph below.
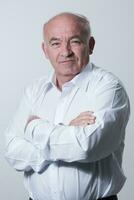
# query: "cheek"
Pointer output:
{"type": "Point", "coordinates": [85, 54]}
{"type": "Point", "coordinates": [81, 52]}
{"type": "Point", "coordinates": [52, 56]}
{"type": "Point", "coordinates": [82, 56]}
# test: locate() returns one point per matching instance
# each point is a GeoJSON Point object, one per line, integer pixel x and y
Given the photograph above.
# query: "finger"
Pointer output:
{"type": "Point", "coordinates": [92, 117]}
{"type": "Point", "coordinates": [83, 122]}
{"type": "Point", "coordinates": [87, 121]}
{"type": "Point", "coordinates": [83, 119]}
{"type": "Point", "coordinates": [91, 122]}
{"type": "Point", "coordinates": [74, 123]}
{"type": "Point", "coordinates": [88, 117]}
{"type": "Point", "coordinates": [80, 120]}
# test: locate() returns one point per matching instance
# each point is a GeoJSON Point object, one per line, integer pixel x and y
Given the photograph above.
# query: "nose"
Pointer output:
{"type": "Point", "coordinates": [66, 50]}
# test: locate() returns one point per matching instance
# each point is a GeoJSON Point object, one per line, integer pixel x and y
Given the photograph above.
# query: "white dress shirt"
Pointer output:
{"type": "Point", "coordinates": [62, 162]}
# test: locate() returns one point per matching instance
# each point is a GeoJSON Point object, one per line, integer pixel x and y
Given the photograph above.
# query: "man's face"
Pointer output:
{"type": "Point", "coordinates": [66, 46]}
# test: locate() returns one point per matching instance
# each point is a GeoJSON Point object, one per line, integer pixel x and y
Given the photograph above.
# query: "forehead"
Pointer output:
{"type": "Point", "coordinates": [63, 26]}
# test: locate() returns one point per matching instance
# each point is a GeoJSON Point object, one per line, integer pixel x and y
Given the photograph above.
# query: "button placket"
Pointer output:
{"type": "Point", "coordinates": [59, 114]}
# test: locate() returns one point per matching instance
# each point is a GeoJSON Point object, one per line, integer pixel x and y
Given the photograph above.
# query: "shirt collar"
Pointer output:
{"type": "Point", "coordinates": [79, 78]}
{"type": "Point", "coordinates": [76, 81]}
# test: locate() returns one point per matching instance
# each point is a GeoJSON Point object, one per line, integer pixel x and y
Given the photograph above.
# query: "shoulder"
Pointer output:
{"type": "Point", "coordinates": [103, 74]}
{"type": "Point", "coordinates": [102, 77]}
{"type": "Point", "coordinates": [108, 89]}
{"type": "Point", "coordinates": [104, 82]}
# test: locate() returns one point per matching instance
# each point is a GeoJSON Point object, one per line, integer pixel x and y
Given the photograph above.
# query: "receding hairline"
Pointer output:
{"type": "Point", "coordinates": [81, 19]}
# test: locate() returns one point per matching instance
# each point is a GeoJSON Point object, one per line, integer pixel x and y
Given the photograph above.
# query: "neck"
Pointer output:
{"type": "Point", "coordinates": [60, 81]}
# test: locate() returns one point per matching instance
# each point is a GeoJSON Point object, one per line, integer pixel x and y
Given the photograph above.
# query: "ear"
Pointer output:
{"type": "Point", "coordinates": [91, 45]}
{"type": "Point", "coordinates": [44, 48]}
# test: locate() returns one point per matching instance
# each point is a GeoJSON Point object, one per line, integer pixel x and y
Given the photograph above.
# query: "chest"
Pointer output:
{"type": "Point", "coordinates": [58, 108]}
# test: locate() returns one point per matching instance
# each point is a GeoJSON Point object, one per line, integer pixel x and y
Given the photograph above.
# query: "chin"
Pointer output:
{"type": "Point", "coordinates": [71, 74]}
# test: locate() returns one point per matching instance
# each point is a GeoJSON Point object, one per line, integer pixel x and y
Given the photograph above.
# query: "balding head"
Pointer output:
{"type": "Point", "coordinates": [67, 44]}
{"type": "Point", "coordinates": [80, 20]}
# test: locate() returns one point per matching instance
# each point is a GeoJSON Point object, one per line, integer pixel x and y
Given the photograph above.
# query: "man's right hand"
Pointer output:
{"type": "Point", "coordinates": [83, 119]}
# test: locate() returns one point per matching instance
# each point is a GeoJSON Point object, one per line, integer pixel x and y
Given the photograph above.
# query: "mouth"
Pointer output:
{"type": "Point", "coordinates": [67, 61]}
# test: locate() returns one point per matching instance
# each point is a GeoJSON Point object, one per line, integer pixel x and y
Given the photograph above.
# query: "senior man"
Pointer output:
{"type": "Point", "coordinates": [68, 133]}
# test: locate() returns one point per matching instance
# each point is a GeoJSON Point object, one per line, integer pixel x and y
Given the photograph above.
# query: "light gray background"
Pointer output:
{"type": "Point", "coordinates": [22, 61]}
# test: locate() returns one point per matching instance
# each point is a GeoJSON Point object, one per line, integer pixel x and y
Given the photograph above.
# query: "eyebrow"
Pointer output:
{"type": "Point", "coordinates": [72, 37]}
{"type": "Point", "coordinates": [54, 39]}
{"type": "Point", "coordinates": [75, 36]}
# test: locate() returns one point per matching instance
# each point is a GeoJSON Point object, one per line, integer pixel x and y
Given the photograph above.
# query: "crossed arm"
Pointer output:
{"type": "Point", "coordinates": [86, 139]}
{"type": "Point", "coordinates": [83, 119]}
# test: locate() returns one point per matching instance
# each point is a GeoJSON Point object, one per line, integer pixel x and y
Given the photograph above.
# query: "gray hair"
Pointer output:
{"type": "Point", "coordinates": [82, 20]}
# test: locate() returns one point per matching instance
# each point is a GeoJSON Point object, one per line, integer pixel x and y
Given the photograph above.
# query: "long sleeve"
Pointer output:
{"type": "Point", "coordinates": [94, 142]}
{"type": "Point", "coordinates": [21, 153]}
{"type": "Point", "coordinates": [43, 142]}
{"type": "Point", "coordinates": [48, 149]}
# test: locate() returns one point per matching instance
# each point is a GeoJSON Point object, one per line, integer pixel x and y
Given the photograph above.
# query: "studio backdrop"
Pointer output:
{"type": "Point", "coordinates": [22, 61]}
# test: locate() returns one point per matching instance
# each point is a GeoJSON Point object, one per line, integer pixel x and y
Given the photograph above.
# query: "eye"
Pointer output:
{"type": "Point", "coordinates": [75, 41]}
{"type": "Point", "coordinates": [55, 44]}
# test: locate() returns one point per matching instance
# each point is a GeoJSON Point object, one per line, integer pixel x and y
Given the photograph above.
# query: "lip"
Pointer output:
{"type": "Point", "coordinates": [66, 61]}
